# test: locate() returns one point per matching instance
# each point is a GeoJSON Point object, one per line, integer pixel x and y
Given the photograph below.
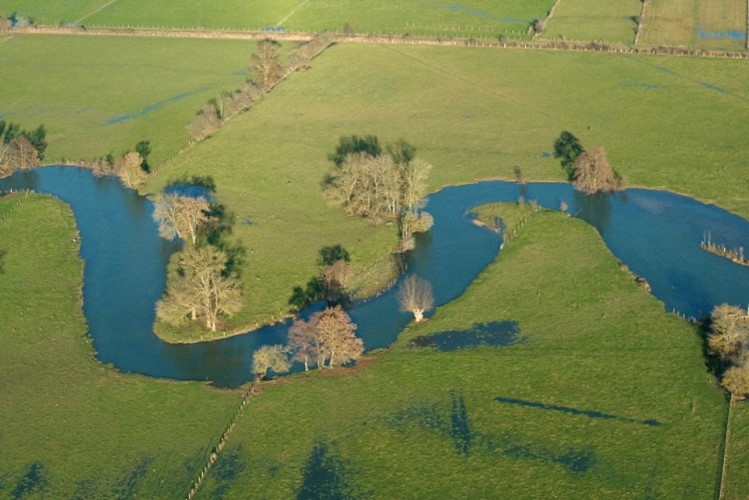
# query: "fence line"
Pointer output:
{"type": "Point", "coordinates": [641, 21]}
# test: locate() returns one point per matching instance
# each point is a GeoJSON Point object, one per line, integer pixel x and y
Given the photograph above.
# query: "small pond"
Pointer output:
{"type": "Point", "coordinates": [655, 233]}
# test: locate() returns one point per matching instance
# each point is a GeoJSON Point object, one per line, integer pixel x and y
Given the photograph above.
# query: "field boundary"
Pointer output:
{"type": "Point", "coordinates": [554, 45]}
{"type": "Point", "coordinates": [720, 493]}
{"type": "Point", "coordinates": [548, 17]}
{"type": "Point", "coordinates": [95, 11]}
{"type": "Point", "coordinates": [641, 22]}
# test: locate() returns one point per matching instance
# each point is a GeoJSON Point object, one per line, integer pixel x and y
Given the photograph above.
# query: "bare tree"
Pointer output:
{"type": "Point", "coordinates": [265, 64]}
{"type": "Point", "coordinates": [736, 378]}
{"type": "Point", "coordinates": [415, 295]}
{"type": "Point", "coordinates": [203, 291]}
{"type": "Point", "coordinates": [337, 341]}
{"type": "Point", "coordinates": [592, 172]}
{"type": "Point", "coordinates": [129, 169]}
{"type": "Point", "coordinates": [303, 342]}
{"type": "Point", "coordinates": [269, 357]}
{"type": "Point", "coordinates": [22, 153]}
{"type": "Point", "coordinates": [205, 123]}
{"type": "Point", "coordinates": [181, 216]}
{"type": "Point", "coordinates": [729, 334]}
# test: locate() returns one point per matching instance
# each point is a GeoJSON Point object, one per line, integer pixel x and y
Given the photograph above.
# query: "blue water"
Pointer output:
{"type": "Point", "coordinates": [657, 234]}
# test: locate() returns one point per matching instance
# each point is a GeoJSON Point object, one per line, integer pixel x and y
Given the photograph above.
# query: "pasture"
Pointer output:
{"type": "Point", "coordinates": [472, 114]}
{"type": "Point", "coordinates": [97, 95]}
{"type": "Point", "coordinates": [521, 418]}
{"type": "Point", "coordinates": [709, 24]}
{"type": "Point", "coordinates": [594, 20]}
{"type": "Point", "coordinates": [72, 427]}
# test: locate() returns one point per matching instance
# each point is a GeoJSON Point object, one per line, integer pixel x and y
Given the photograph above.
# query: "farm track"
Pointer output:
{"type": "Point", "coordinates": [551, 45]}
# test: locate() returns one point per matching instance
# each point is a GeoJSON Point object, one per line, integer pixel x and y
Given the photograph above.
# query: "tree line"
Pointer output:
{"type": "Point", "coordinates": [728, 340]}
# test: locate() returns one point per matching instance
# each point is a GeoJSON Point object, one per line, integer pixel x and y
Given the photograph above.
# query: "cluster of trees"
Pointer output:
{"type": "Point", "coordinates": [589, 171]}
{"type": "Point", "coordinates": [266, 71]}
{"type": "Point", "coordinates": [206, 286]}
{"type": "Point", "coordinates": [729, 341]}
{"type": "Point", "coordinates": [380, 185]}
{"type": "Point", "coordinates": [131, 167]}
{"type": "Point", "coordinates": [20, 149]}
{"type": "Point", "coordinates": [332, 282]}
{"type": "Point", "coordinates": [14, 21]}
{"type": "Point", "coordinates": [326, 339]}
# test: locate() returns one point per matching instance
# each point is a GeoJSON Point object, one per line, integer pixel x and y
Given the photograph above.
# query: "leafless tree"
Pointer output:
{"type": "Point", "coordinates": [337, 341]}
{"type": "Point", "coordinates": [269, 357]}
{"type": "Point", "coordinates": [129, 169]}
{"type": "Point", "coordinates": [415, 295]}
{"type": "Point", "coordinates": [592, 173]}
{"type": "Point", "coordinates": [729, 332]}
{"type": "Point", "coordinates": [181, 216]}
{"type": "Point", "coordinates": [736, 378]}
{"type": "Point", "coordinates": [265, 64]}
{"type": "Point", "coordinates": [302, 342]}
{"type": "Point", "coordinates": [202, 291]}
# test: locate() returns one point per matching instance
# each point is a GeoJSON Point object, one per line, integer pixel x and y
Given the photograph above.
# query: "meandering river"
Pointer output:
{"type": "Point", "coordinates": [655, 233]}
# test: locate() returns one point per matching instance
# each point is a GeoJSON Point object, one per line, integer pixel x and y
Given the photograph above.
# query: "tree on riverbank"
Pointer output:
{"type": "Point", "coordinates": [380, 187]}
{"type": "Point", "coordinates": [415, 295]}
{"type": "Point", "coordinates": [181, 216]}
{"type": "Point", "coordinates": [592, 172]}
{"type": "Point", "coordinates": [269, 357]}
{"type": "Point", "coordinates": [327, 337]}
{"type": "Point", "coordinates": [729, 340]}
{"type": "Point", "coordinates": [130, 169]}
{"type": "Point", "coordinates": [203, 290]}
{"type": "Point", "coordinates": [20, 149]}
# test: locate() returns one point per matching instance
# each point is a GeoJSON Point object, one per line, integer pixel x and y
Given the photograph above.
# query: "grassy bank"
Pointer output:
{"type": "Point", "coordinates": [737, 459]}
{"type": "Point", "coordinates": [72, 427]}
{"type": "Point", "coordinates": [420, 421]}
{"type": "Point", "coordinates": [97, 95]}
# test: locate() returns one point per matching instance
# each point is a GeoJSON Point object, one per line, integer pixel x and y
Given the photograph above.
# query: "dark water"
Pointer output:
{"type": "Point", "coordinates": [656, 234]}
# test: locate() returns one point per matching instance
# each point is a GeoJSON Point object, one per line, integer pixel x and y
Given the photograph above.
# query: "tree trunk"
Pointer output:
{"type": "Point", "coordinates": [418, 315]}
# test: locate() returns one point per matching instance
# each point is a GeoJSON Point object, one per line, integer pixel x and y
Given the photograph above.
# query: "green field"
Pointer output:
{"type": "Point", "coordinates": [592, 340]}
{"type": "Point", "coordinates": [707, 24]}
{"type": "Point", "coordinates": [738, 457]}
{"type": "Point", "coordinates": [50, 11]}
{"type": "Point", "coordinates": [97, 95]}
{"type": "Point", "coordinates": [72, 427]}
{"type": "Point", "coordinates": [473, 114]}
{"type": "Point", "coordinates": [600, 20]}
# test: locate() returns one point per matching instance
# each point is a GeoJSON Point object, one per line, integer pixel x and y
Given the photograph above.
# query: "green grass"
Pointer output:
{"type": "Point", "coordinates": [717, 17]}
{"type": "Point", "coordinates": [79, 86]}
{"type": "Point", "coordinates": [50, 11]}
{"type": "Point", "coordinates": [432, 17]}
{"type": "Point", "coordinates": [738, 457]}
{"type": "Point", "coordinates": [594, 341]}
{"type": "Point", "coordinates": [600, 20]}
{"type": "Point", "coordinates": [91, 431]}
{"type": "Point", "coordinates": [473, 114]}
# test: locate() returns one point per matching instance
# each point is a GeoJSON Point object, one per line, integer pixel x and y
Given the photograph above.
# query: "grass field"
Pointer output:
{"type": "Point", "coordinates": [709, 24]}
{"type": "Point", "coordinates": [72, 427]}
{"type": "Point", "coordinates": [430, 17]}
{"type": "Point", "coordinates": [50, 11]}
{"type": "Point", "coordinates": [594, 20]}
{"type": "Point", "coordinates": [738, 459]}
{"type": "Point", "coordinates": [97, 95]}
{"type": "Point", "coordinates": [418, 422]}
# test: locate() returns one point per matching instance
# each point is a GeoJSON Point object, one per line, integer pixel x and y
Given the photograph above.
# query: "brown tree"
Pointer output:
{"type": "Point", "coordinates": [265, 64]}
{"type": "Point", "coordinates": [337, 342]}
{"type": "Point", "coordinates": [205, 123]}
{"type": "Point", "coordinates": [22, 153]}
{"type": "Point", "coordinates": [592, 173]}
{"type": "Point", "coordinates": [736, 378]}
{"type": "Point", "coordinates": [181, 216]}
{"type": "Point", "coordinates": [269, 357]}
{"type": "Point", "coordinates": [415, 295]}
{"type": "Point", "coordinates": [303, 342]}
{"type": "Point", "coordinates": [202, 291]}
{"type": "Point", "coordinates": [729, 332]}
{"type": "Point", "coordinates": [130, 169]}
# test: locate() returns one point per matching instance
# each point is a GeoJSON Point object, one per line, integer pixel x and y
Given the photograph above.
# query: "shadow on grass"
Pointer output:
{"type": "Point", "coordinates": [576, 411]}
{"type": "Point", "coordinates": [229, 465]}
{"type": "Point", "coordinates": [452, 420]}
{"type": "Point", "coordinates": [326, 475]}
{"type": "Point", "coordinates": [496, 333]}
{"type": "Point", "coordinates": [130, 482]}
{"type": "Point", "coordinates": [33, 482]}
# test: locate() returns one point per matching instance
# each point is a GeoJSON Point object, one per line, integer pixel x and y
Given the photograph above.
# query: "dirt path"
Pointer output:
{"type": "Point", "coordinates": [553, 45]}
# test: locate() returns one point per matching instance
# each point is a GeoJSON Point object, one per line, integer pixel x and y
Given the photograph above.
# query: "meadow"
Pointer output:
{"type": "Point", "coordinates": [472, 114]}
{"type": "Point", "coordinates": [573, 338]}
{"type": "Point", "coordinates": [104, 94]}
{"type": "Point", "coordinates": [594, 20]}
{"type": "Point", "coordinates": [71, 426]}
{"type": "Point", "coordinates": [709, 24]}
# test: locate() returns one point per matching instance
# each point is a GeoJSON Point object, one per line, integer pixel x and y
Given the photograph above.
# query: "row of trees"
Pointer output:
{"type": "Point", "coordinates": [20, 149]}
{"type": "Point", "coordinates": [589, 171]}
{"type": "Point", "coordinates": [729, 341]}
{"type": "Point", "coordinates": [379, 185]}
{"type": "Point", "coordinates": [266, 71]}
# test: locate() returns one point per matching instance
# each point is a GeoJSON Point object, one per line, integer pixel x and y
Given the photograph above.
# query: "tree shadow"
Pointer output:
{"type": "Point", "coordinates": [326, 475]}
